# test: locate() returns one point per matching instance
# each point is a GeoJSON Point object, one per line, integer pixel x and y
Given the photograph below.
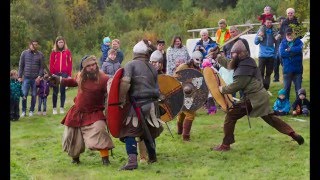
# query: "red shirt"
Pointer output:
{"type": "Point", "coordinates": [88, 104]}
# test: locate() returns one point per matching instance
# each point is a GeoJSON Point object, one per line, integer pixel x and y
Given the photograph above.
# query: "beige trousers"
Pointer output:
{"type": "Point", "coordinates": [93, 136]}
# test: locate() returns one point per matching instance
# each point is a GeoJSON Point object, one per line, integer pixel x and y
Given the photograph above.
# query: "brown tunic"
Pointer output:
{"type": "Point", "coordinates": [88, 104]}
{"type": "Point", "coordinates": [252, 87]}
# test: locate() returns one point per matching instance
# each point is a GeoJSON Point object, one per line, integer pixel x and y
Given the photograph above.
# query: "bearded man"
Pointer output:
{"type": "Point", "coordinates": [85, 122]}
{"type": "Point", "coordinates": [140, 81]}
{"type": "Point", "coordinates": [254, 103]}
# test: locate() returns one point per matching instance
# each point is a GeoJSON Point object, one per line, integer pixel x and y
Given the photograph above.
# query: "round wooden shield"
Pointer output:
{"type": "Point", "coordinates": [115, 114]}
{"type": "Point", "coordinates": [171, 96]}
{"type": "Point", "coordinates": [213, 81]}
{"type": "Point", "coordinates": [194, 88]}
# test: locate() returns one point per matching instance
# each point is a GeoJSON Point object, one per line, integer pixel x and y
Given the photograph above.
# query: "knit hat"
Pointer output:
{"type": "Point", "coordinates": [156, 56]}
{"type": "Point", "coordinates": [106, 40]}
{"type": "Point", "coordinates": [302, 91]}
{"type": "Point", "coordinates": [88, 61]}
{"type": "Point", "coordinates": [238, 47]}
{"type": "Point", "coordinates": [282, 92]}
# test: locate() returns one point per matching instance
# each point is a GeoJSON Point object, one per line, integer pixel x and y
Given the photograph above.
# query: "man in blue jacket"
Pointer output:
{"type": "Point", "coordinates": [266, 43]}
{"type": "Point", "coordinates": [291, 49]}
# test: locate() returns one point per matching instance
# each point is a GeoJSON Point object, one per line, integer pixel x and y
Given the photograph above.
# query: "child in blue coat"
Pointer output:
{"type": "Point", "coordinates": [281, 106]}
{"type": "Point", "coordinates": [105, 47]}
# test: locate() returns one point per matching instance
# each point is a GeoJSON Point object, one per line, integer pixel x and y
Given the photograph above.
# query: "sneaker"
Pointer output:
{"type": "Point", "coordinates": [23, 114]}
{"type": "Point", "coordinates": [221, 147]}
{"type": "Point", "coordinates": [270, 94]}
{"type": "Point", "coordinates": [44, 113]}
{"type": "Point", "coordinates": [54, 111]}
{"type": "Point", "coordinates": [30, 113]}
{"type": "Point", "coordinates": [39, 113]}
{"type": "Point", "coordinates": [61, 110]}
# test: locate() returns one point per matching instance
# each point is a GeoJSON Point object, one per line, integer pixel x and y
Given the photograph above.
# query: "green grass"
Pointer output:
{"type": "Point", "coordinates": [258, 153]}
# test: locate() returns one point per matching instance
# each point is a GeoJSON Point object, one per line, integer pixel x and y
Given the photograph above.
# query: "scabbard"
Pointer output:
{"type": "Point", "coordinates": [141, 118]}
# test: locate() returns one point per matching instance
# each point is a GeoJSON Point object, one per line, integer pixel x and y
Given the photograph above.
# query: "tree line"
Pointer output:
{"type": "Point", "coordinates": [84, 23]}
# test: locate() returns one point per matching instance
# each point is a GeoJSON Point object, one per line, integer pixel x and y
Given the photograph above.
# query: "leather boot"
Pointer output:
{"type": "Point", "coordinates": [132, 163]}
{"type": "Point", "coordinates": [221, 147]}
{"type": "Point", "coordinates": [105, 161]}
{"type": "Point", "coordinates": [297, 138]}
{"type": "Point", "coordinates": [152, 158]}
{"type": "Point", "coordinates": [179, 127]}
{"type": "Point", "coordinates": [75, 160]}
{"type": "Point", "coordinates": [186, 129]}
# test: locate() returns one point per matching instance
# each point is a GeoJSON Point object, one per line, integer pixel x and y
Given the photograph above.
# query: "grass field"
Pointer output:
{"type": "Point", "coordinates": [258, 153]}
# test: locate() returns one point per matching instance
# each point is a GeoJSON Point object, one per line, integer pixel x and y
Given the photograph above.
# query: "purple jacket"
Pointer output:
{"type": "Point", "coordinates": [43, 88]}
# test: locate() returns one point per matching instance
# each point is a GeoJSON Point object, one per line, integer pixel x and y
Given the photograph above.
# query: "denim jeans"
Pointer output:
{"type": "Point", "coordinates": [62, 92]}
{"type": "Point", "coordinates": [288, 79]}
{"type": "Point", "coordinates": [42, 101]}
{"type": "Point", "coordinates": [26, 85]}
{"type": "Point", "coordinates": [266, 68]}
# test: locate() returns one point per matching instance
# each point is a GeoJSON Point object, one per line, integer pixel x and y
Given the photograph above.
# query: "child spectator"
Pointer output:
{"type": "Point", "coordinates": [301, 105]}
{"type": "Point", "coordinates": [15, 94]}
{"type": "Point", "coordinates": [43, 92]}
{"type": "Point", "coordinates": [263, 17]}
{"type": "Point", "coordinates": [266, 14]}
{"type": "Point", "coordinates": [105, 46]}
{"type": "Point", "coordinates": [281, 106]}
{"type": "Point", "coordinates": [111, 65]}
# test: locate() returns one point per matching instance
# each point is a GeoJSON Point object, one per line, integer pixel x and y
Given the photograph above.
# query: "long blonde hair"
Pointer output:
{"type": "Point", "coordinates": [55, 45]}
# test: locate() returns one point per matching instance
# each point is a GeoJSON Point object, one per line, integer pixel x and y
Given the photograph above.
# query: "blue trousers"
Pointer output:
{"type": "Point", "coordinates": [288, 79]}
{"type": "Point", "coordinates": [26, 85]}
{"type": "Point", "coordinates": [42, 101]}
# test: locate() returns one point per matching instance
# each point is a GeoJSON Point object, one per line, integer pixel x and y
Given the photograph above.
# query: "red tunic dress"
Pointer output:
{"type": "Point", "coordinates": [88, 104]}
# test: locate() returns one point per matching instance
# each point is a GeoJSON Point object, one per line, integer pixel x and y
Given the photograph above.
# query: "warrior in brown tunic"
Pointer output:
{"type": "Point", "coordinates": [141, 82]}
{"type": "Point", "coordinates": [255, 102]}
{"type": "Point", "coordinates": [85, 122]}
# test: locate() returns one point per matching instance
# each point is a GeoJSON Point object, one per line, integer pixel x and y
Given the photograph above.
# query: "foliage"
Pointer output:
{"type": "Point", "coordinates": [84, 23]}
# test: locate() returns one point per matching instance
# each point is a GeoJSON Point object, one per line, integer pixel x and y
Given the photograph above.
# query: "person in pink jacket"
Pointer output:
{"type": "Point", "coordinates": [60, 65]}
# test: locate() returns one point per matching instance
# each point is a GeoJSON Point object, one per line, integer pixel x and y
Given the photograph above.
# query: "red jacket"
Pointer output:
{"type": "Point", "coordinates": [61, 62]}
{"type": "Point", "coordinates": [88, 104]}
